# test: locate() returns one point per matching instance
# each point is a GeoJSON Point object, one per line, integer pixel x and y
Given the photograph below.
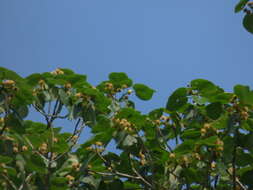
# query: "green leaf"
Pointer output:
{"type": "Point", "coordinates": [156, 114]}
{"type": "Point", "coordinates": [129, 141]}
{"type": "Point", "coordinates": [221, 123]}
{"type": "Point", "coordinates": [11, 171]}
{"type": "Point", "coordinates": [89, 116]}
{"type": "Point", "coordinates": [191, 134]}
{"type": "Point", "coordinates": [244, 94]}
{"type": "Point", "coordinates": [76, 80]}
{"type": "Point", "coordinates": [36, 163]}
{"type": "Point", "coordinates": [59, 183]}
{"type": "Point", "coordinates": [67, 71]}
{"type": "Point", "coordinates": [248, 22]}
{"type": "Point", "coordinates": [10, 75]}
{"type": "Point", "coordinates": [191, 174]}
{"type": "Point", "coordinates": [210, 141]}
{"type": "Point", "coordinates": [133, 117]}
{"type": "Point", "coordinates": [15, 124]}
{"type": "Point", "coordinates": [101, 103]}
{"type": "Point", "coordinates": [33, 79]}
{"type": "Point", "coordinates": [116, 185]}
{"type": "Point", "coordinates": [185, 147]}
{"type": "Point", "coordinates": [5, 159]}
{"type": "Point", "coordinates": [119, 79]}
{"type": "Point", "coordinates": [22, 111]}
{"type": "Point", "coordinates": [143, 92]}
{"type": "Point", "coordinates": [90, 180]}
{"type": "Point", "coordinates": [243, 159]}
{"type": "Point", "coordinates": [239, 6]}
{"type": "Point", "coordinates": [131, 185]}
{"type": "Point", "coordinates": [205, 88]}
{"type": "Point", "coordinates": [177, 100]}
{"type": "Point", "coordinates": [200, 100]}
{"type": "Point", "coordinates": [222, 98]}
{"type": "Point", "coordinates": [60, 147]}
{"type": "Point", "coordinates": [103, 125]}
{"type": "Point", "coordinates": [34, 127]}
{"type": "Point", "coordinates": [214, 110]}
{"type": "Point", "coordinates": [228, 148]}
{"type": "Point", "coordinates": [247, 177]}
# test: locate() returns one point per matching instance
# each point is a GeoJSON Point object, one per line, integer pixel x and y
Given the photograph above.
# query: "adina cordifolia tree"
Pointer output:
{"type": "Point", "coordinates": [201, 139]}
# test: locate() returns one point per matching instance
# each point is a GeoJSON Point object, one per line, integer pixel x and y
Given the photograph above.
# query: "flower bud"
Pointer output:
{"type": "Point", "coordinates": [15, 149]}
{"type": "Point", "coordinates": [24, 148]}
{"type": "Point", "coordinates": [129, 91]}
{"type": "Point", "coordinates": [98, 143]}
{"type": "Point", "coordinates": [8, 83]}
{"type": "Point", "coordinates": [172, 155]}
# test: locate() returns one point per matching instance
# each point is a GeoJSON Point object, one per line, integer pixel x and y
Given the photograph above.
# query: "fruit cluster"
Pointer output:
{"type": "Point", "coordinates": [57, 72]}
{"type": "Point", "coordinates": [208, 130]}
{"type": "Point", "coordinates": [124, 124]}
{"type": "Point", "coordinates": [96, 147]}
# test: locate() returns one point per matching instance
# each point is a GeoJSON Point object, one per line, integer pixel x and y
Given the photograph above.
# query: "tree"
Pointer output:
{"type": "Point", "coordinates": [247, 7]}
{"type": "Point", "coordinates": [202, 139]}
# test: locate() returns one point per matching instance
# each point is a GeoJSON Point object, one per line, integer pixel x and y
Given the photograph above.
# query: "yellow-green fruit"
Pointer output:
{"type": "Point", "coordinates": [172, 155]}
{"type": "Point", "coordinates": [24, 148]}
{"type": "Point", "coordinates": [15, 149]}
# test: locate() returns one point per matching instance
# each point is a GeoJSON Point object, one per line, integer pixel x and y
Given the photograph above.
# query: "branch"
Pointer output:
{"type": "Point", "coordinates": [234, 160]}
{"type": "Point", "coordinates": [28, 178]}
{"type": "Point", "coordinates": [139, 175]}
{"type": "Point", "coordinates": [70, 148]}
{"type": "Point", "coordinates": [50, 115]}
{"type": "Point", "coordinates": [75, 130]}
{"type": "Point", "coordinates": [116, 173]}
{"type": "Point", "coordinates": [10, 182]}
{"type": "Point", "coordinates": [7, 112]}
{"type": "Point", "coordinates": [237, 180]}
{"type": "Point", "coordinates": [165, 142]}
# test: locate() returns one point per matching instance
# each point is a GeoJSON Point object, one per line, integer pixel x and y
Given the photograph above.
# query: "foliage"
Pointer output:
{"type": "Point", "coordinates": [202, 139]}
{"type": "Point", "coordinates": [247, 7]}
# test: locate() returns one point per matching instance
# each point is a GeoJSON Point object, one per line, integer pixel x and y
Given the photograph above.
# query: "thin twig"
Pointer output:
{"type": "Point", "coordinates": [75, 130]}
{"type": "Point", "coordinates": [26, 181]}
{"type": "Point", "coordinates": [237, 180]}
{"type": "Point", "coordinates": [70, 148]}
{"type": "Point", "coordinates": [117, 173]}
{"type": "Point", "coordinates": [10, 182]}
{"type": "Point", "coordinates": [234, 161]}
{"type": "Point", "coordinates": [166, 144]}
{"type": "Point", "coordinates": [50, 115]}
{"type": "Point", "coordinates": [7, 112]}
{"type": "Point", "coordinates": [139, 175]}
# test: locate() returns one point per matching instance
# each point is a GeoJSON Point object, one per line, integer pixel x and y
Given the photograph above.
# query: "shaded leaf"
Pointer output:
{"type": "Point", "coordinates": [244, 94]}
{"type": "Point", "coordinates": [119, 79]}
{"type": "Point", "coordinates": [129, 141]}
{"type": "Point", "coordinates": [5, 159]}
{"type": "Point", "coordinates": [143, 92]}
{"type": "Point", "coordinates": [177, 100]}
{"type": "Point", "coordinates": [248, 22]}
{"type": "Point", "coordinates": [239, 6]}
{"type": "Point", "coordinates": [214, 110]}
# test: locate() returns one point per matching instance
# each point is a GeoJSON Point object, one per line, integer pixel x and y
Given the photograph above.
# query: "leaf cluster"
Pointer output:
{"type": "Point", "coordinates": [201, 139]}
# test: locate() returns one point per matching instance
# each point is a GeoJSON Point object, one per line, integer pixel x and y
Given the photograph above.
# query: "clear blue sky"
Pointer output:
{"type": "Point", "coordinates": [162, 43]}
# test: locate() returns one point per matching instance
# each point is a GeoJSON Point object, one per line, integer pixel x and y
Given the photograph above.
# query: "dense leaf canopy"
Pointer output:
{"type": "Point", "coordinates": [202, 139]}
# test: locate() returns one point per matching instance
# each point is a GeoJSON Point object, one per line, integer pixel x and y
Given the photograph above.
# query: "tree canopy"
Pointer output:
{"type": "Point", "coordinates": [201, 139]}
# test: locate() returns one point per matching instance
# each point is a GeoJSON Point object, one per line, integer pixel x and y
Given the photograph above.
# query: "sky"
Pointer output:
{"type": "Point", "coordinates": [163, 44]}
